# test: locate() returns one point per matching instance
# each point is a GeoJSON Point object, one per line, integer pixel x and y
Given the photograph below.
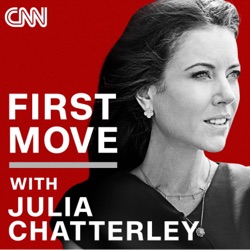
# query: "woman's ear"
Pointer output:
{"type": "Point", "coordinates": [145, 99]}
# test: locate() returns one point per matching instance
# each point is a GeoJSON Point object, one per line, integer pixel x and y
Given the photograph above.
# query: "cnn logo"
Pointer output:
{"type": "Point", "coordinates": [17, 17]}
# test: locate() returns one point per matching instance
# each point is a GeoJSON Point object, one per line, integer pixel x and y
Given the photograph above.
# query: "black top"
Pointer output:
{"type": "Point", "coordinates": [125, 198]}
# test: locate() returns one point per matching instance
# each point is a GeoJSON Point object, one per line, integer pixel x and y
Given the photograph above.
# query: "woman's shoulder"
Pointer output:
{"type": "Point", "coordinates": [121, 180]}
{"type": "Point", "coordinates": [236, 169]}
{"type": "Point", "coordinates": [96, 185]}
{"type": "Point", "coordinates": [97, 190]}
{"type": "Point", "coordinates": [239, 175]}
{"type": "Point", "coordinates": [109, 198]}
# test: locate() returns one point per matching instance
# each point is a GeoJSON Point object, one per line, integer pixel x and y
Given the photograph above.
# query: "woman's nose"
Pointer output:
{"type": "Point", "coordinates": [226, 92]}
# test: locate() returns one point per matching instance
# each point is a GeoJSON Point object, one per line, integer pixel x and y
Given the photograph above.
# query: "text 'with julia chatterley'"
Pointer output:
{"type": "Point", "coordinates": [39, 206]}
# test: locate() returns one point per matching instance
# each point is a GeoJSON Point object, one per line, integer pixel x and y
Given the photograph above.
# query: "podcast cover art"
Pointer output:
{"type": "Point", "coordinates": [52, 54]}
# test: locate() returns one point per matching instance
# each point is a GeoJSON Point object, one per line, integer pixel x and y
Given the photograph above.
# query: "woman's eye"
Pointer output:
{"type": "Point", "coordinates": [201, 75]}
{"type": "Point", "coordinates": [235, 74]}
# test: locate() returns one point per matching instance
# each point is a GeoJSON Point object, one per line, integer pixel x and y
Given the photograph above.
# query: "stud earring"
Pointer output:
{"type": "Point", "coordinates": [149, 113]}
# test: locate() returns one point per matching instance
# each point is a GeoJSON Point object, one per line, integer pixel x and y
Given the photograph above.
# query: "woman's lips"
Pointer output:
{"type": "Point", "coordinates": [220, 121]}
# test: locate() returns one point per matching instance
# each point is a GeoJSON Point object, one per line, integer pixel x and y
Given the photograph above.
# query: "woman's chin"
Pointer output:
{"type": "Point", "coordinates": [215, 146]}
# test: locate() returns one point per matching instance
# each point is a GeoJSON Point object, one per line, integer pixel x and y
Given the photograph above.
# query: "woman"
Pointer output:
{"type": "Point", "coordinates": [175, 72]}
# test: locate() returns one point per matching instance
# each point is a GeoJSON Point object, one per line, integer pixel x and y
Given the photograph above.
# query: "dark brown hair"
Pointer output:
{"type": "Point", "coordinates": [138, 60]}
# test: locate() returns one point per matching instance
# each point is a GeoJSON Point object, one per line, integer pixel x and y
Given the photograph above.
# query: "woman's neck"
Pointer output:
{"type": "Point", "coordinates": [179, 170]}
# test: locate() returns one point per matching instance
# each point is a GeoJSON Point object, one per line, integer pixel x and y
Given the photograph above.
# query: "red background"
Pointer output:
{"type": "Point", "coordinates": [66, 58]}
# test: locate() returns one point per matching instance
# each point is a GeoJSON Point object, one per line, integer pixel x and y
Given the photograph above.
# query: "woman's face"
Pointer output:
{"type": "Point", "coordinates": [201, 91]}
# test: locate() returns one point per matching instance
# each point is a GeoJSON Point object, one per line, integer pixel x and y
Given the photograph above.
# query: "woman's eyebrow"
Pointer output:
{"type": "Point", "coordinates": [234, 66]}
{"type": "Point", "coordinates": [208, 65]}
